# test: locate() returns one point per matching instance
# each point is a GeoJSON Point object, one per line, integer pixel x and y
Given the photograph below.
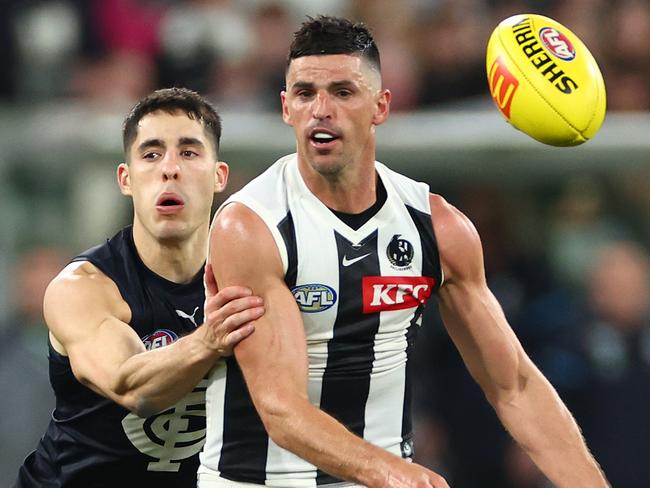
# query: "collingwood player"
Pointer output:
{"type": "Point", "coordinates": [130, 412]}
{"type": "Point", "coordinates": [345, 253]}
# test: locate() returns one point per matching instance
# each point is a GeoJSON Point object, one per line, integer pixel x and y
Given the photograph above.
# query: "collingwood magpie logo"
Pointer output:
{"type": "Point", "coordinates": [399, 252]}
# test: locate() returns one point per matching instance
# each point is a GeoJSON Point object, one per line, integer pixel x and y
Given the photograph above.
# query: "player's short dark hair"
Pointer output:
{"type": "Point", "coordinates": [172, 100]}
{"type": "Point", "coordinates": [334, 35]}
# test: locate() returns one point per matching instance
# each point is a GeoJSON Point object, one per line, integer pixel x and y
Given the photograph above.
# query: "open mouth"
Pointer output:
{"type": "Point", "coordinates": [323, 137]}
{"type": "Point", "coordinates": [169, 202]}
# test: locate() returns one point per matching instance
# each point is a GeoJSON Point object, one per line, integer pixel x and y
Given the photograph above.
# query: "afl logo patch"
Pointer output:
{"type": "Point", "coordinates": [314, 297]}
{"type": "Point", "coordinates": [399, 252]}
{"type": "Point", "coordinates": [160, 338]}
{"type": "Point", "coordinates": [557, 43]}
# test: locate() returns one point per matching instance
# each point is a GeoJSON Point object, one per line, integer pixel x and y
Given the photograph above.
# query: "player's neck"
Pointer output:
{"type": "Point", "coordinates": [177, 260]}
{"type": "Point", "coordinates": [352, 192]}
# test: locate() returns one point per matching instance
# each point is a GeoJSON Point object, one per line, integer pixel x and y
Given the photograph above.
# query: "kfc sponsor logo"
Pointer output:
{"type": "Point", "coordinates": [382, 293]}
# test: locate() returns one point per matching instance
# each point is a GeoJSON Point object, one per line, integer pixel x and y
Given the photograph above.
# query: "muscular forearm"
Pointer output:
{"type": "Point", "coordinates": [539, 421]}
{"type": "Point", "coordinates": [315, 436]}
{"type": "Point", "coordinates": [154, 380]}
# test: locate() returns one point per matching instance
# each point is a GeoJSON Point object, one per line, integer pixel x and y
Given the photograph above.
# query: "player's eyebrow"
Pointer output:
{"type": "Point", "coordinates": [332, 85]}
{"type": "Point", "coordinates": [182, 141]}
{"type": "Point", "coordinates": [340, 84]}
{"type": "Point", "coordinates": [149, 143]}
{"type": "Point", "coordinates": [300, 85]}
{"type": "Point", "coordinates": [190, 141]}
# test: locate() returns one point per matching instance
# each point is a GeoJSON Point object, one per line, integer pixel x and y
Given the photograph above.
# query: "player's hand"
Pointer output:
{"type": "Point", "coordinates": [228, 314]}
{"type": "Point", "coordinates": [405, 474]}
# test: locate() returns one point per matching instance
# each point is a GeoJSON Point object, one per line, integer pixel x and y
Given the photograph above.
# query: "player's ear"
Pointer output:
{"type": "Point", "coordinates": [285, 108]}
{"type": "Point", "coordinates": [383, 107]}
{"type": "Point", "coordinates": [123, 179]}
{"type": "Point", "coordinates": [221, 176]}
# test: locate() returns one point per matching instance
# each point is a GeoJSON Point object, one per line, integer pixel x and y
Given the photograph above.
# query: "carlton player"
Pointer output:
{"type": "Point", "coordinates": [345, 252]}
{"type": "Point", "coordinates": [128, 342]}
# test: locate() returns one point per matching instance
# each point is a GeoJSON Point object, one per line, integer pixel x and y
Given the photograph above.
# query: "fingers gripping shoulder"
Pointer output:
{"type": "Point", "coordinates": [459, 244]}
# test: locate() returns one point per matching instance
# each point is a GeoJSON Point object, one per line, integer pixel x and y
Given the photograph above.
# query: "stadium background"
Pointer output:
{"type": "Point", "coordinates": [566, 231]}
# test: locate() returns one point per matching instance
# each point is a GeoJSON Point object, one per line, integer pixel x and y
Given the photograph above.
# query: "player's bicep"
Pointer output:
{"type": "Point", "coordinates": [87, 318]}
{"type": "Point", "coordinates": [274, 362]}
{"type": "Point", "coordinates": [243, 252]}
{"type": "Point", "coordinates": [471, 314]}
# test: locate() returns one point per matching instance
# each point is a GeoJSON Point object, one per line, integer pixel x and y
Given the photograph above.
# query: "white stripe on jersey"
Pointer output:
{"type": "Point", "coordinates": [214, 405]}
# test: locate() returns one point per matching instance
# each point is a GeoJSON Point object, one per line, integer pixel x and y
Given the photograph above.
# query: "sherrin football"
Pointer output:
{"type": "Point", "coordinates": [545, 81]}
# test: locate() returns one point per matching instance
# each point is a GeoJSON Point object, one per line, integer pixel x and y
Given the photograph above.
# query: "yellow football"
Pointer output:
{"type": "Point", "coordinates": [545, 81]}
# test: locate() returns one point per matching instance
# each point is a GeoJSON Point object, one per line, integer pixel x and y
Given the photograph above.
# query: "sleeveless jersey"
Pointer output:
{"type": "Point", "coordinates": [361, 294]}
{"type": "Point", "coordinates": [92, 441]}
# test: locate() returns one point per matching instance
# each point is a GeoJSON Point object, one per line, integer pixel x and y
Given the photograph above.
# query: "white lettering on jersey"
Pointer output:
{"type": "Point", "coordinates": [381, 293]}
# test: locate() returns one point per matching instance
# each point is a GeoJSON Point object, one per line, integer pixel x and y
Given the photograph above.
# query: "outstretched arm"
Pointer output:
{"type": "Point", "coordinates": [524, 400]}
{"type": "Point", "coordinates": [88, 321]}
{"type": "Point", "coordinates": [274, 363]}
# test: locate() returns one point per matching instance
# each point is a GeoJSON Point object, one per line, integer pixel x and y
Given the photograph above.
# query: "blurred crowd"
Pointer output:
{"type": "Point", "coordinates": [569, 261]}
{"type": "Point", "coordinates": [105, 51]}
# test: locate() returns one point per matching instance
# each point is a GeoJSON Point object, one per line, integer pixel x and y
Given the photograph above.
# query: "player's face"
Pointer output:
{"type": "Point", "coordinates": [333, 103]}
{"type": "Point", "coordinates": [172, 175]}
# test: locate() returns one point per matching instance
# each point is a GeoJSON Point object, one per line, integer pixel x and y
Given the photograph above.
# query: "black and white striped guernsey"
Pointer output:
{"type": "Point", "coordinates": [361, 293]}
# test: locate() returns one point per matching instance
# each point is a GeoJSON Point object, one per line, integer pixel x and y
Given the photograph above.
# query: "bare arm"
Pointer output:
{"type": "Point", "coordinates": [524, 400]}
{"type": "Point", "coordinates": [274, 363]}
{"type": "Point", "coordinates": [88, 321]}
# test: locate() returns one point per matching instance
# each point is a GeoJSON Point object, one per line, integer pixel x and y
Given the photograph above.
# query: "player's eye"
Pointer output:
{"type": "Point", "coordinates": [151, 155]}
{"type": "Point", "coordinates": [304, 94]}
{"type": "Point", "coordinates": [187, 153]}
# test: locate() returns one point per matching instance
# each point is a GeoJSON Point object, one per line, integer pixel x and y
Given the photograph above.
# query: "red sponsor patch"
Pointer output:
{"type": "Point", "coordinates": [503, 85]}
{"type": "Point", "coordinates": [382, 293]}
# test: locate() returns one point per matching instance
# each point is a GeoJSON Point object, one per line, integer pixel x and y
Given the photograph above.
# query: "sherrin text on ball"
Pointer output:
{"type": "Point", "coordinates": [545, 81]}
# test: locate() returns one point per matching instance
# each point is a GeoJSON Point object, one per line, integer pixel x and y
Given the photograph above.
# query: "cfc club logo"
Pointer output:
{"type": "Point", "coordinates": [503, 85]}
{"type": "Point", "coordinates": [159, 338]}
{"type": "Point", "coordinates": [399, 252]}
{"type": "Point", "coordinates": [314, 297]}
{"type": "Point", "coordinates": [383, 293]}
{"type": "Point", "coordinates": [171, 436]}
{"type": "Point", "coordinates": [556, 42]}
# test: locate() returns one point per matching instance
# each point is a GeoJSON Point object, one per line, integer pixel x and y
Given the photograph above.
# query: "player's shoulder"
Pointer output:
{"type": "Point", "coordinates": [448, 218]}
{"type": "Point", "coordinates": [81, 285]}
{"type": "Point", "coordinates": [459, 244]}
{"type": "Point", "coordinates": [241, 238]}
{"type": "Point", "coordinates": [80, 273]}
{"type": "Point", "coordinates": [236, 219]}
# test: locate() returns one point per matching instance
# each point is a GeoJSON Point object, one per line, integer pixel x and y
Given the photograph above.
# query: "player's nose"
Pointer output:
{"type": "Point", "coordinates": [322, 106]}
{"type": "Point", "coordinates": [170, 167]}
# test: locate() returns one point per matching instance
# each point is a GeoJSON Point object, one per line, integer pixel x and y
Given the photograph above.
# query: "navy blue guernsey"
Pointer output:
{"type": "Point", "coordinates": [92, 442]}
